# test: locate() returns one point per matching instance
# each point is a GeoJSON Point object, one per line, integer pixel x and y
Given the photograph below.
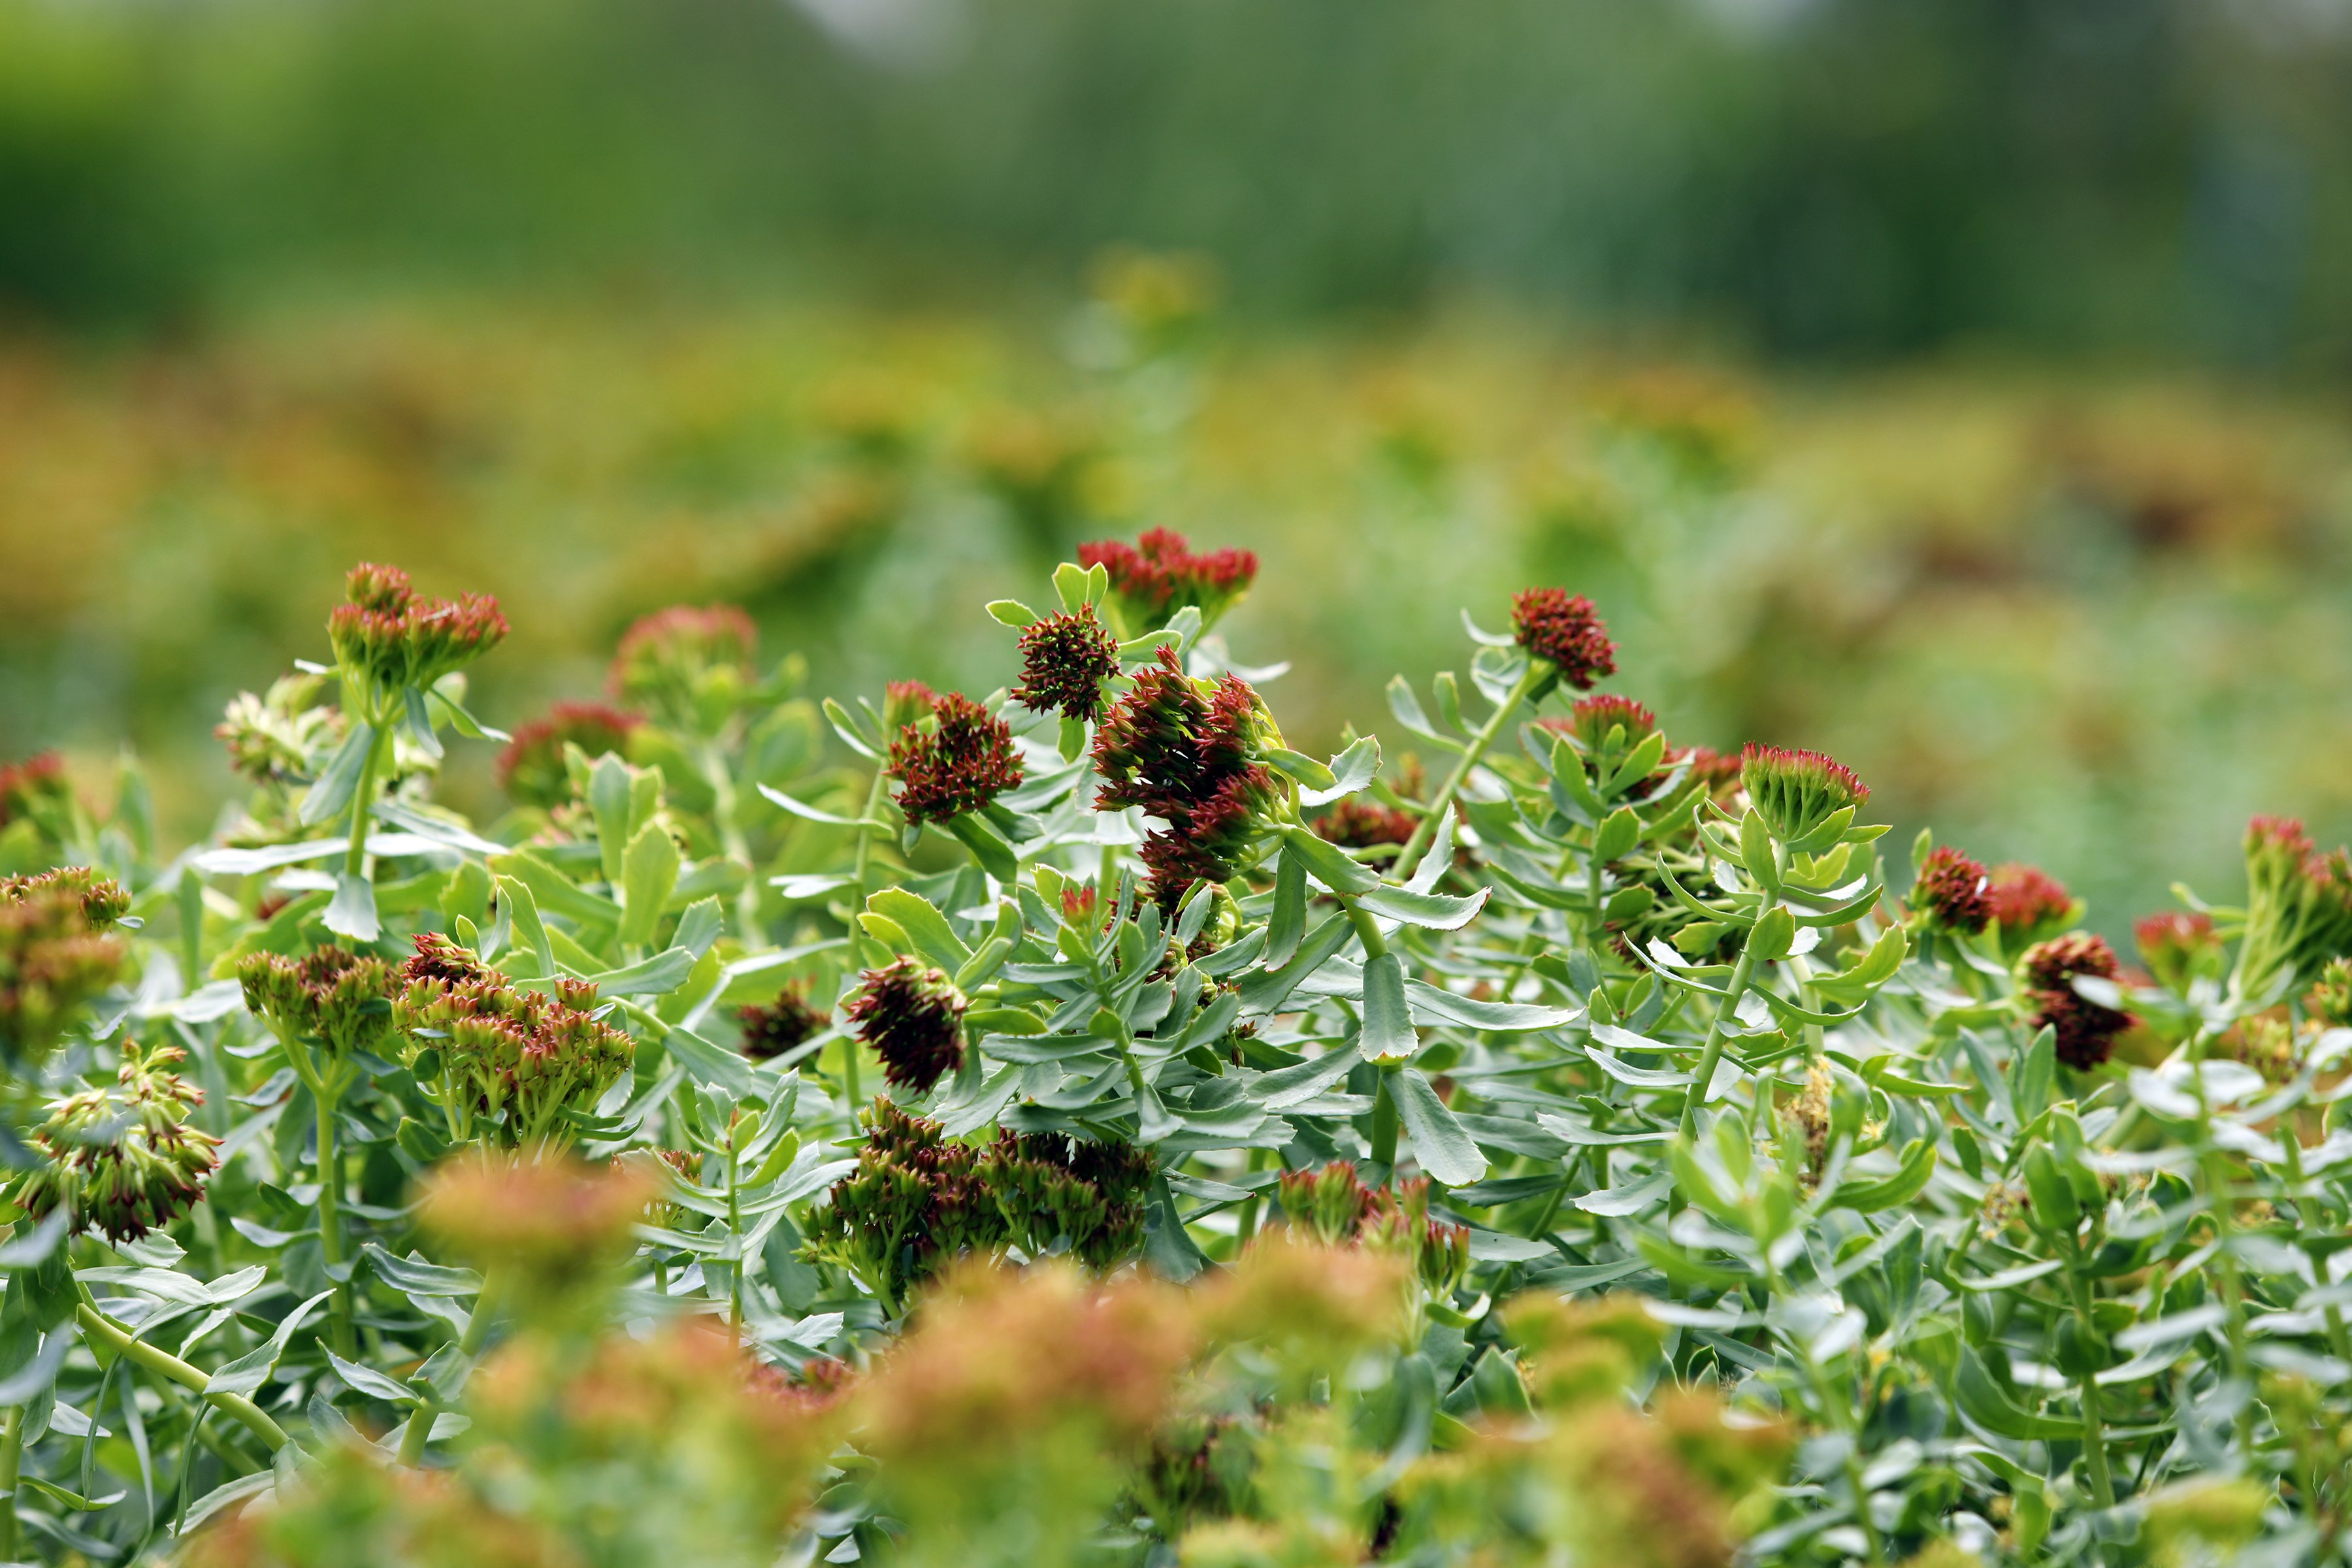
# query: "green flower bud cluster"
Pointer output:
{"type": "Point", "coordinates": [390, 638]}
{"type": "Point", "coordinates": [330, 998]}
{"type": "Point", "coordinates": [509, 1062]}
{"type": "Point", "coordinates": [58, 950]}
{"type": "Point", "coordinates": [2298, 908]}
{"type": "Point", "coordinates": [1335, 1206]}
{"type": "Point", "coordinates": [122, 1161]}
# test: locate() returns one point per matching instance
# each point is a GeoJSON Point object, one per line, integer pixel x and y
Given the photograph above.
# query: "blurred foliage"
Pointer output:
{"type": "Point", "coordinates": [1813, 176]}
{"type": "Point", "coordinates": [2092, 622]}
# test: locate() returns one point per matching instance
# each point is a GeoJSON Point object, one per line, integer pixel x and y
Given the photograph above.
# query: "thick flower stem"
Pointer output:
{"type": "Point", "coordinates": [2095, 1434]}
{"type": "Point", "coordinates": [478, 1330]}
{"type": "Point", "coordinates": [1712, 1053]}
{"type": "Point", "coordinates": [331, 1226]}
{"type": "Point", "coordinates": [105, 1331]}
{"type": "Point", "coordinates": [11, 1459]}
{"type": "Point", "coordinates": [363, 796]}
{"type": "Point", "coordinates": [1384, 1123]}
{"type": "Point", "coordinates": [1443, 801]}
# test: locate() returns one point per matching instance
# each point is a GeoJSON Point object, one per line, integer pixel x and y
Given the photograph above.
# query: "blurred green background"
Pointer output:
{"type": "Point", "coordinates": [1956, 386]}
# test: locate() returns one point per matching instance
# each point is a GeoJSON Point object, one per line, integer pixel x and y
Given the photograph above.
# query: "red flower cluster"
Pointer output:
{"type": "Point", "coordinates": [1362, 824]}
{"type": "Point", "coordinates": [1335, 1206]}
{"type": "Point", "coordinates": [2176, 945]}
{"type": "Point", "coordinates": [784, 1025]}
{"type": "Point", "coordinates": [1950, 891]}
{"type": "Point", "coordinates": [675, 644]}
{"type": "Point", "coordinates": [519, 1054]}
{"type": "Point", "coordinates": [1562, 629]}
{"type": "Point", "coordinates": [1186, 758]}
{"type": "Point", "coordinates": [530, 769]}
{"type": "Point", "coordinates": [1065, 660]}
{"type": "Point", "coordinates": [913, 1017]}
{"type": "Point", "coordinates": [2027, 901]}
{"type": "Point", "coordinates": [2086, 1030]}
{"type": "Point", "coordinates": [34, 781]}
{"type": "Point", "coordinates": [960, 764]}
{"type": "Point", "coordinates": [1159, 574]}
{"type": "Point", "coordinates": [393, 637]}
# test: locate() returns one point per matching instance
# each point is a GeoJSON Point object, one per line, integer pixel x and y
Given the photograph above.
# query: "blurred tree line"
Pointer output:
{"type": "Point", "coordinates": [1818, 178]}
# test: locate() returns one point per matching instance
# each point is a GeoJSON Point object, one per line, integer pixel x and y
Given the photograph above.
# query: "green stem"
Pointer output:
{"type": "Point", "coordinates": [1384, 1123]}
{"type": "Point", "coordinates": [12, 1457]}
{"type": "Point", "coordinates": [1245, 1221]}
{"type": "Point", "coordinates": [1712, 1053]}
{"type": "Point", "coordinates": [478, 1330]}
{"type": "Point", "coordinates": [330, 1225]}
{"type": "Point", "coordinates": [355, 857]}
{"type": "Point", "coordinates": [1443, 801]}
{"type": "Point", "coordinates": [164, 1364]}
{"type": "Point", "coordinates": [733, 844]}
{"type": "Point", "coordinates": [2095, 1433]}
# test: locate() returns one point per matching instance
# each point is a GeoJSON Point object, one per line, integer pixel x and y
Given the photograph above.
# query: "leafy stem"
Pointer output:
{"type": "Point", "coordinates": [1442, 802]}
{"type": "Point", "coordinates": [164, 1364]}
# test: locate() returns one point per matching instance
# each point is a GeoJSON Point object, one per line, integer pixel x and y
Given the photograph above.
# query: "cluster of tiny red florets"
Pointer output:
{"type": "Point", "coordinates": [912, 1015]}
{"type": "Point", "coordinates": [1591, 719]}
{"type": "Point", "coordinates": [1185, 758]}
{"type": "Point", "coordinates": [959, 764]}
{"type": "Point", "coordinates": [36, 778]}
{"type": "Point", "coordinates": [1363, 824]}
{"type": "Point", "coordinates": [530, 769]}
{"type": "Point", "coordinates": [1950, 891]}
{"type": "Point", "coordinates": [2085, 1029]}
{"type": "Point", "coordinates": [389, 634]}
{"type": "Point", "coordinates": [1065, 660]}
{"type": "Point", "coordinates": [787, 1022]}
{"type": "Point", "coordinates": [1160, 574]}
{"type": "Point", "coordinates": [1563, 630]}
{"type": "Point", "coordinates": [2026, 898]}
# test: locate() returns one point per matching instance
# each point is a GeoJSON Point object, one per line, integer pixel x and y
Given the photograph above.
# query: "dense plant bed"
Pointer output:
{"type": "Point", "coordinates": [1073, 1126]}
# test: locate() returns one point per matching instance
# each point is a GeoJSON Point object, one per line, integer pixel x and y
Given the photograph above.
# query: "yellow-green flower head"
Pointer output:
{"type": "Point", "coordinates": [1797, 792]}
{"type": "Point", "coordinates": [338, 1000]}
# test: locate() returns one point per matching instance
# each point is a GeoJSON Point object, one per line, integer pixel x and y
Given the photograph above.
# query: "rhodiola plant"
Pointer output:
{"type": "Point", "coordinates": [1070, 1123]}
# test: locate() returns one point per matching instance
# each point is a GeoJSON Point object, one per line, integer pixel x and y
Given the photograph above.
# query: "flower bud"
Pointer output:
{"type": "Point", "coordinates": [1064, 661]}
{"type": "Point", "coordinates": [337, 1000]}
{"type": "Point", "coordinates": [532, 769]}
{"type": "Point", "coordinates": [510, 1062]}
{"type": "Point", "coordinates": [34, 788]}
{"type": "Point", "coordinates": [689, 665]}
{"type": "Point", "coordinates": [121, 1160]}
{"type": "Point", "coordinates": [959, 759]}
{"type": "Point", "coordinates": [57, 951]}
{"type": "Point", "coordinates": [913, 1017]}
{"type": "Point", "coordinates": [1591, 720]}
{"type": "Point", "coordinates": [1796, 791]}
{"type": "Point", "coordinates": [390, 638]}
{"type": "Point", "coordinates": [1561, 630]}
{"type": "Point", "coordinates": [2331, 995]}
{"type": "Point", "coordinates": [2029, 905]}
{"type": "Point", "coordinates": [1362, 825]}
{"type": "Point", "coordinates": [2179, 946]}
{"type": "Point", "coordinates": [2298, 908]}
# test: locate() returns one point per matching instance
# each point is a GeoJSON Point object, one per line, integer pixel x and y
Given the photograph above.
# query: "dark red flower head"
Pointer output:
{"type": "Point", "coordinates": [958, 761]}
{"type": "Point", "coordinates": [1362, 824]}
{"type": "Point", "coordinates": [389, 635]}
{"type": "Point", "coordinates": [1065, 660]}
{"type": "Point", "coordinates": [1186, 757]}
{"type": "Point", "coordinates": [1562, 629]}
{"type": "Point", "coordinates": [1950, 891]}
{"type": "Point", "coordinates": [2085, 1029]}
{"type": "Point", "coordinates": [530, 769]}
{"type": "Point", "coordinates": [1159, 574]}
{"type": "Point", "coordinates": [913, 1017]}
{"type": "Point", "coordinates": [784, 1025]}
{"type": "Point", "coordinates": [2028, 902]}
